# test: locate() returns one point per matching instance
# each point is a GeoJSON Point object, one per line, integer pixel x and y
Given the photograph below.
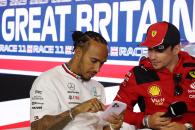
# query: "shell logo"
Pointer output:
{"type": "Point", "coordinates": [154, 90]}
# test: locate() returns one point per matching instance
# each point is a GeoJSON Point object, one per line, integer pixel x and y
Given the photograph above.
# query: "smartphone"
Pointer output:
{"type": "Point", "coordinates": [115, 107]}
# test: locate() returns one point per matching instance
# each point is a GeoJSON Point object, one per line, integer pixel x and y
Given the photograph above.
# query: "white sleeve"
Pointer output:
{"type": "Point", "coordinates": [43, 99]}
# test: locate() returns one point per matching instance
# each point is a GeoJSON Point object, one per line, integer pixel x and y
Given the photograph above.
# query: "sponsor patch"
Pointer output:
{"type": "Point", "coordinates": [191, 74]}
{"type": "Point", "coordinates": [38, 92]}
{"type": "Point", "coordinates": [37, 107]}
{"type": "Point", "coordinates": [154, 33]}
{"type": "Point", "coordinates": [71, 86]}
{"type": "Point", "coordinates": [158, 101]}
{"type": "Point", "coordinates": [37, 103]}
{"type": "Point", "coordinates": [36, 118]}
{"type": "Point", "coordinates": [154, 91]}
{"type": "Point", "coordinates": [192, 85]}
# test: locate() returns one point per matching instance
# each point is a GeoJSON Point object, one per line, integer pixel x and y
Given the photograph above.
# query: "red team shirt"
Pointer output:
{"type": "Point", "coordinates": [157, 88]}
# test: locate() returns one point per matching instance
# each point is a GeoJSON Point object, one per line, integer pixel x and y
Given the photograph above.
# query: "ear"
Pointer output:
{"type": "Point", "coordinates": [78, 52]}
{"type": "Point", "coordinates": [177, 49]}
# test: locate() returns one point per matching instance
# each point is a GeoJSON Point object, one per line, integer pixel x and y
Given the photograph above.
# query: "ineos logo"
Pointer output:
{"type": "Point", "coordinates": [71, 86]}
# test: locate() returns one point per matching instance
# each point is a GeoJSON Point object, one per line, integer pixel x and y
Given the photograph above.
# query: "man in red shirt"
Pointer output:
{"type": "Point", "coordinates": [165, 77]}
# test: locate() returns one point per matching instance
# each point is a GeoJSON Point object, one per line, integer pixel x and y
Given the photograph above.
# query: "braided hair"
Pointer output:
{"type": "Point", "coordinates": [82, 39]}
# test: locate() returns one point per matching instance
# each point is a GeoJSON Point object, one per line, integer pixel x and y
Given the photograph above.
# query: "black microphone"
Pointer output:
{"type": "Point", "coordinates": [176, 109]}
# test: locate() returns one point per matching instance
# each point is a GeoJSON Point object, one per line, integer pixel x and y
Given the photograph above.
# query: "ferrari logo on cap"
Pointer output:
{"type": "Point", "coordinates": [154, 33]}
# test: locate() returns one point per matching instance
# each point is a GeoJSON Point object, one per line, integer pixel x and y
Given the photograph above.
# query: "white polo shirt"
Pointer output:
{"type": "Point", "coordinates": [58, 90]}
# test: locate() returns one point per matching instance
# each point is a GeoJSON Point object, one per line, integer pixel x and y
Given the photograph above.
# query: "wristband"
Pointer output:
{"type": "Point", "coordinates": [70, 114]}
{"type": "Point", "coordinates": [145, 121]}
{"type": "Point", "coordinates": [111, 127]}
{"type": "Point", "coordinates": [188, 126]}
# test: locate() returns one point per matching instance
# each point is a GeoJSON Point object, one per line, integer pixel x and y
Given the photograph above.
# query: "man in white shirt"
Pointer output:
{"type": "Point", "coordinates": [66, 98]}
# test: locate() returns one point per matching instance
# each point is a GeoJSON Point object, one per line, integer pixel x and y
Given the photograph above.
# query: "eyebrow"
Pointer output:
{"type": "Point", "coordinates": [157, 50]}
{"type": "Point", "coordinates": [99, 59]}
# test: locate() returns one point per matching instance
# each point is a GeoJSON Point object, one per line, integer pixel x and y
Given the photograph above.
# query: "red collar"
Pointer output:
{"type": "Point", "coordinates": [70, 72]}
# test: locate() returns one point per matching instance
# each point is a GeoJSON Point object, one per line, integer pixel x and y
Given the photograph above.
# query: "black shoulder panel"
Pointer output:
{"type": "Point", "coordinates": [143, 75]}
{"type": "Point", "coordinates": [141, 103]}
{"type": "Point", "coordinates": [191, 73]}
{"type": "Point", "coordinates": [189, 64]}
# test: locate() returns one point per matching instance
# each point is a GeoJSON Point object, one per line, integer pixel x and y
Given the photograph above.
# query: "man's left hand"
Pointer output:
{"type": "Point", "coordinates": [174, 126]}
{"type": "Point", "coordinates": [115, 121]}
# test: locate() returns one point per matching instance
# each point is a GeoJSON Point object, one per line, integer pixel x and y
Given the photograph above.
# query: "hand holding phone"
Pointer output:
{"type": "Point", "coordinates": [115, 107]}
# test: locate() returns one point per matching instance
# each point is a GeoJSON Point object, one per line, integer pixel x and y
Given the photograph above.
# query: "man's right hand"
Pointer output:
{"type": "Point", "coordinates": [156, 121]}
{"type": "Point", "coordinates": [92, 105]}
{"type": "Point", "coordinates": [58, 122]}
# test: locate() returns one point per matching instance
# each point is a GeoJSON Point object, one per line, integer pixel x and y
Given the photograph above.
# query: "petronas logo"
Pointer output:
{"type": "Point", "coordinates": [154, 33]}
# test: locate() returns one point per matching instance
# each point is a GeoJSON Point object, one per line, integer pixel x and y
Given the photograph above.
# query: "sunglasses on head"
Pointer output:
{"type": "Point", "coordinates": [178, 89]}
{"type": "Point", "coordinates": [161, 48]}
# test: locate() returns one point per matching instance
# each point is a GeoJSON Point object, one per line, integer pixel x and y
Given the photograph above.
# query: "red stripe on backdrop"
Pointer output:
{"type": "Point", "coordinates": [16, 125]}
{"type": "Point", "coordinates": [111, 71]}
